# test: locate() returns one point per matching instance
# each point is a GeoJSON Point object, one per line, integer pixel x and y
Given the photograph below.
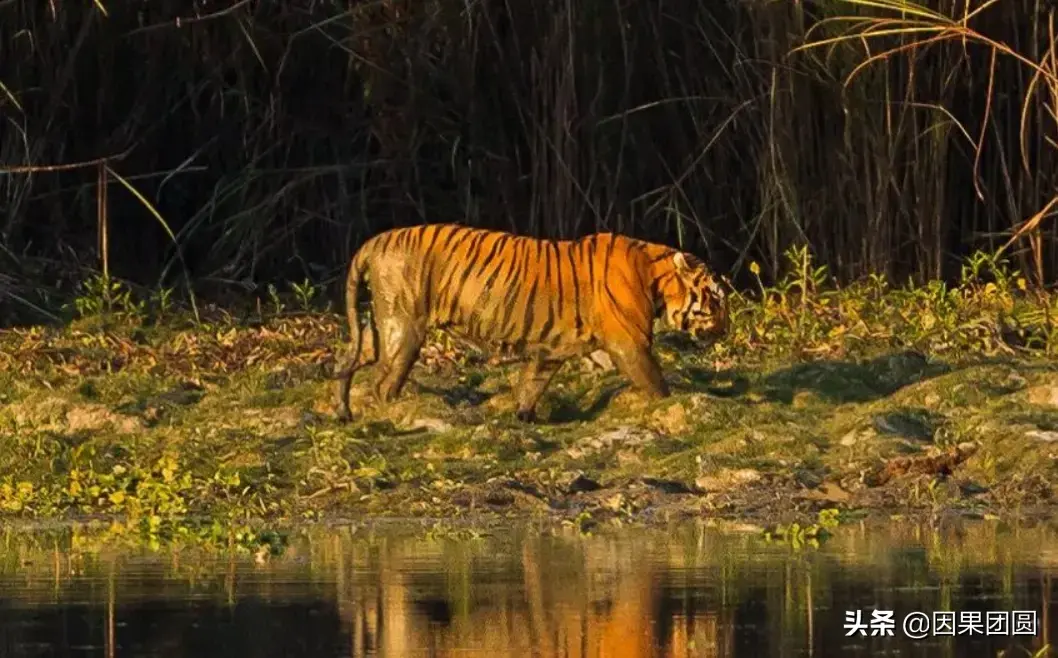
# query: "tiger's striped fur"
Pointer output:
{"type": "Point", "coordinates": [544, 300]}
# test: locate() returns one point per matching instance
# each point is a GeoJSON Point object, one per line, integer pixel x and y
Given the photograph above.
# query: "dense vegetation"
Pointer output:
{"type": "Point", "coordinates": [220, 147]}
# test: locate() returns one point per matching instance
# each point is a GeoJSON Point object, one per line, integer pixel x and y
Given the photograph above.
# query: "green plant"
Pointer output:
{"type": "Point", "coordinates": [305, 293]}
{"type": "Point", "coordinates": [101, 295]}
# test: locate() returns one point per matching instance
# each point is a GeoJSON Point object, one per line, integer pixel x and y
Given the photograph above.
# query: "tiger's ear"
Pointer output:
{"type": "Point", "coordinates": [680, 261]}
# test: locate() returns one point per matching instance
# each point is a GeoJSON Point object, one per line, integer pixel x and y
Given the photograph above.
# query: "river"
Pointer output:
{"type": "Point", "coordinates": [407, 590]}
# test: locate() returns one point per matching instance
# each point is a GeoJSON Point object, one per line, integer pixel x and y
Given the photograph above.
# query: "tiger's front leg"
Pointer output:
{"type": "Point", "coordinates": [535, 377]}
{"type": "Point", "coordinates": [638, 364]}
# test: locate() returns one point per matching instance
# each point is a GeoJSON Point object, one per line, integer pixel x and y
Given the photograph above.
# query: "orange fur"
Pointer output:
{"type": "Point", "coordinates": [545, 300]}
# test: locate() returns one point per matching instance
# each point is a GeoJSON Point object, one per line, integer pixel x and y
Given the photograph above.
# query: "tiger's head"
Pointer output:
{"type": "Point", "coordinates": [695, 301]}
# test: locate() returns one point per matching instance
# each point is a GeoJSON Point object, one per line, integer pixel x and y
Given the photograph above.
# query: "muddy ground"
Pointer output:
{"type": "Point", "coordinates": [159, 424]}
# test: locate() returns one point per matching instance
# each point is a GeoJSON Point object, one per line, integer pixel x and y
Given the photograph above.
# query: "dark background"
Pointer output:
{"type": "Point", "coordinates": [274, 137]}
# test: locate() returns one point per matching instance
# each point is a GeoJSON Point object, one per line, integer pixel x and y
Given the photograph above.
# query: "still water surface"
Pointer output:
{"type": "Point", "coordinates": [691, 591]}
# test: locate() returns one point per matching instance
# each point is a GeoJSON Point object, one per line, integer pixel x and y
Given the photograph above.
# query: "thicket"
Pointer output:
{"type": "Point", "coordinates": [219, 147]}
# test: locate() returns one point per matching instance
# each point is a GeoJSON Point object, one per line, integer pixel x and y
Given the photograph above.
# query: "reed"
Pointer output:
{"type": "Point", "coordinates": [270, 139]}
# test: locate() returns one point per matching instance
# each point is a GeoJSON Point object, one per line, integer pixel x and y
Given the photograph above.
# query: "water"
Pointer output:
{"type": "Point", "coordinates": [383, 592]}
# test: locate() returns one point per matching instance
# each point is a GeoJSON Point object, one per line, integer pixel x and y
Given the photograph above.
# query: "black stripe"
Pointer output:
{"type": "Point", "coordinates": [512, 290]}
{"type": "Point", "coordinates": [517, 287]}
{"type": "Point", "coordinates": [487, 287]}
{"type": "Point", "coordinates": [576, 285]}
{"type": "Point", "coordinates": [467, 233]}
{"type": "Point", "coordinates": [549, 323]}
{"type": "Point", "coordinates": [467, 271]}
{"type": "Point", "coordinates": [496, 246]}
{"type": "Point", "coordinates": [383, 240]}
{"type": "Point", "coordinates": [489, 309]}
{"type": "Point", "coordinates": [530, 311]}
{"type": "Point", "coordinates": [473, 252]}
{"type": "Point", "coordinates": [436, 234]}
{"type": "Point", "coordinates": [539, 250]}
{"type": "Point", "coordinates": [558, 277]}
{"type": "Point", "coordinates": [453, 231]}
{"type": "Point", "coordinates": [591, 263]}
{"type": "Point", "coordinates": [449, 268]}
{"type": "Point", "coordinates": [453, 266]}
{"type": "Point", "coordinates": [416, 236]}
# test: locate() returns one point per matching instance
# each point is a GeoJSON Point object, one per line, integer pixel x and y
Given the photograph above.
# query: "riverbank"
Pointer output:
{"type": "Point", "coordinates": [840, 405]}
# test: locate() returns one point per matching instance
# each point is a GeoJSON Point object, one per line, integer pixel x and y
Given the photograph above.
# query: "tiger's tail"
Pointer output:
{"type": "Point", "coordinates": [351, 362]}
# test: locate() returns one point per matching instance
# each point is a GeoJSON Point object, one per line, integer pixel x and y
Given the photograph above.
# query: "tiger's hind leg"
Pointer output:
{"type": "Point", "coordinates": [400, 344]}
{"type": "Point", "coordinates": [535, 377]}
{"type": "Point", "coordinates": [638, 364]}
{"type": "Point", "coordinates": [352, 361]}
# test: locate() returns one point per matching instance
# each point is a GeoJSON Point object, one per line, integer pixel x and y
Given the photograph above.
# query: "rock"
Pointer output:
{"type": "Point", "coordinates": [1047, 436]}
{"type": "Point", "coordinates": [499, 497]}
{"type": "Point", "coordinates": [808, 479]}
{"type": "Point", "coordinates": [727, 479]}
{"type": "Point", "coordinates": [905, 425]}
{"type": "Point", "coordinates": [672, 419]}
{"type": "Point", "coordinates": [430, 425]}
{"type": "Point", "coordinates": [598, 360]}
{"type": "Point", "coordinates": [623, 437]}
{"type": "Point", "coordinates": [1043, 395]}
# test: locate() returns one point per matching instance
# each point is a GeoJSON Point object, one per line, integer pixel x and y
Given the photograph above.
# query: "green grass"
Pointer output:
{"type": "Point", "coordinates": [869, 397]}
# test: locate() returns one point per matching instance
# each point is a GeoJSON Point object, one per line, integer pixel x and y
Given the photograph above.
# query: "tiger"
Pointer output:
{"type": "Point", "coordinates": [542, 301]}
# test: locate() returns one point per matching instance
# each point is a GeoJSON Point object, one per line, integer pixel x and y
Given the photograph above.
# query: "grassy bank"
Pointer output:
{"type": "Point", "coordinates": [902, 400]}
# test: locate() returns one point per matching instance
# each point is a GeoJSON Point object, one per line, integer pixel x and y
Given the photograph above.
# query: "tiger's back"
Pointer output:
{"type": "Point", "coordinates": [547, 300]}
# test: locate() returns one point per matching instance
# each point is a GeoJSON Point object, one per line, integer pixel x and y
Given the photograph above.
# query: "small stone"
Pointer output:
{"type": "Point", "coordinates": [851, 438]}
{"type": "Point", "coordinates": [727, 479]}
{"type": "Point", "coordinates": [804, 399]}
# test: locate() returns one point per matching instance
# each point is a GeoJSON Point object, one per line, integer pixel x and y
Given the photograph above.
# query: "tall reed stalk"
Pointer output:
{"type": "Point", "coordinates": [272, 138]}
